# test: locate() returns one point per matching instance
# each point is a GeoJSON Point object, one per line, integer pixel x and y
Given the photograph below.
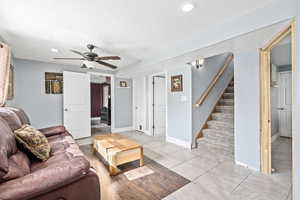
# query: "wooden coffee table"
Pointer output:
{"type": "Point", "coordinates": [117, 149]}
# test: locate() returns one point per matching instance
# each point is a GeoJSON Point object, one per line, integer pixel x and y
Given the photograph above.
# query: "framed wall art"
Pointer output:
{"type": "Point", "coordinates": [176, 83]}
{"type": "Point", "coordinates": [53, 83]}
{"type": "Point", "coordinates": [123, 84]}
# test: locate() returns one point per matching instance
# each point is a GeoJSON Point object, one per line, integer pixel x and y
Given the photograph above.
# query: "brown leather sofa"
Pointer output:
{"type": "Point", "coordinates": [66, 175]}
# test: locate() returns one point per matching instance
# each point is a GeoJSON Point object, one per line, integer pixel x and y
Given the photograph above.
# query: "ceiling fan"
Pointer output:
{"type": "Point", "coordinates": [93, 57]}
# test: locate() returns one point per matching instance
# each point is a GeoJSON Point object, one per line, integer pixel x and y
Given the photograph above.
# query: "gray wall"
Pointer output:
{"type": "Point", "coordinates": [281, 55]}
{"type": "Point", "coordinates": [247, 89]}
{"type": "Point", "coordinates": [46, 109]}
{"type": "Point", "coordinates": [201, 79]}
{"type": "Point", "coordinates": [123, 104]}
{"type": "Point", "coordinates": [296, 115]}
{"type": "Point", "coordinates": [179, 111]}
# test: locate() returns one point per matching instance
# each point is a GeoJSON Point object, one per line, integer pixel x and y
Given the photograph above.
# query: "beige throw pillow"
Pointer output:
{"type": "Point", "coordinates": [34, 141]}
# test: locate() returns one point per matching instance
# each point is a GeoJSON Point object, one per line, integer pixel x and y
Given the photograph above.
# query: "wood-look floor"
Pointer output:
{"type": "Point", "coordinates": [152, 187]}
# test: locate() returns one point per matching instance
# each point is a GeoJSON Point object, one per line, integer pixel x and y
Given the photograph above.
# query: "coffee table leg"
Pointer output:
{"type": "Point", "coordinates": [141, 157]}
{"type": "Point", "coordinates": [113, 169]}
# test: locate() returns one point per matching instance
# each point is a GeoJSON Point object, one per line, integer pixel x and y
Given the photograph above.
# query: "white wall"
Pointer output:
{"type": "Point", "coordinates": [46, 109]}
{"type": "Point", "coordinates": [98, 79]}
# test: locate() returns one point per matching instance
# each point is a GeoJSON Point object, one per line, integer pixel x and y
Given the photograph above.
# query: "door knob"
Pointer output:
{"type": "Point", "coordinates": [66, 109]}
{"type": "Point", "coordinates": [280, 108]}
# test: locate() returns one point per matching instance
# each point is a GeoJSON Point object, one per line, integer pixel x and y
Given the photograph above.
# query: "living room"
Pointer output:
{"type": "Point", "coordinates": [178, 117]}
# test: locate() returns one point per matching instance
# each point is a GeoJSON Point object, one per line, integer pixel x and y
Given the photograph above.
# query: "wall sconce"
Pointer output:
{"type": "Point", "coordinates": [197, 63]}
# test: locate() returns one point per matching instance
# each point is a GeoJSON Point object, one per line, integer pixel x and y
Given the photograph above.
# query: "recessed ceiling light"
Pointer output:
{"type": "Point", "coordinates": [187, 7]}
{"type": "Point", "coordinates": [54, 50]}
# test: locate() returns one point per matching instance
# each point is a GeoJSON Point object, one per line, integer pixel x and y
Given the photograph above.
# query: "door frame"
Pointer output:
{"type": "Point", "coordinates": [112, 95]}
{"type": "Point", "coordinates": [265, 105]}
{"type": "Point", "coordinates": [150, 100]}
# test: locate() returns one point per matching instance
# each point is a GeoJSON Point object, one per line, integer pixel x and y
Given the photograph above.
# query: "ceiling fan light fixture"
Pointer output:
{"type": "Point", "coordinates": [83, 66]}
{"type": "Point", "coordinates": [92, 57]}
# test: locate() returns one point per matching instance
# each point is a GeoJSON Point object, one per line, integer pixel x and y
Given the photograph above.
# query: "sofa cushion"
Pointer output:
{"type": "Point", "coordinates": [11, 118]}
{"type": "Point", "coordinates": [18, 166]}
{"type": "Point", "coordinates": [8, 146]}
{"type": "Point", "coordinates": [21, 114]}
{"type": "Point", "coordinates": [45, 180]}
{"type": "Point", "coordinates": [34, 141]}
{"type": "Point", "coordinates": [63, 147]}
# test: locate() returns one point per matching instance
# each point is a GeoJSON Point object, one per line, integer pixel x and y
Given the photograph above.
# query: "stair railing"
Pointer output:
{"type": "Point", "coordinates": [214, 81]}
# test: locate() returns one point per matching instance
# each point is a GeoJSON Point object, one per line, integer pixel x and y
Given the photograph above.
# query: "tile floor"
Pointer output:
{"type": "Point", "coordinates": [214, 175]}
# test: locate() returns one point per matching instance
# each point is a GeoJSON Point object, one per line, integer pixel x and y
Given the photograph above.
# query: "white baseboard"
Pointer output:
{"type": "Point", "coordinates": [129, 128]}
{"type": "Point", "coordinates": [246, 166]}
{"type": "Point", "coordinates": [178, 142]}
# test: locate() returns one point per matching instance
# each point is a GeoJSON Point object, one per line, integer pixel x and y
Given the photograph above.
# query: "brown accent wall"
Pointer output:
{"type": "Point", "coordinates": [96, 99]}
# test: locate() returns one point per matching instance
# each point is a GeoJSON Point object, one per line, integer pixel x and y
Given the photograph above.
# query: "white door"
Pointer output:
{"type": "Point", "coordinates": [285, 104]}
{"type": "Point", "coordinates": [139, 101]}
{"type": "Point", "coordinates": [77, 112]}
{"type": "Point", "coordinates": [159, 106]}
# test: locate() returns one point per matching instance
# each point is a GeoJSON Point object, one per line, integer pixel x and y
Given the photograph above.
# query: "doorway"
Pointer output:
{"type": "Point", "coordinates": [281, 110]}
{"type": "Point", "coordinates": [159, 105]}
{"type": "Point", "coordinates": [276, 103]}
{"type": "Point", "coordinates": [100, 92]}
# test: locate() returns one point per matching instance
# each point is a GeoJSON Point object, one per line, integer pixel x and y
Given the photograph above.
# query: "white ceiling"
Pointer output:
{"type": "Point", "coordinates": [137, 30]}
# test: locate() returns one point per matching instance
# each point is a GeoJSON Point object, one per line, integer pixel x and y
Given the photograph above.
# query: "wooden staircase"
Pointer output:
{"type": "Point", "coordinates": [218, 132]}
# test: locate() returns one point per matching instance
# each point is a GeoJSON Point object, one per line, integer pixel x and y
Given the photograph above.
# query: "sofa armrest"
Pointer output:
{"type": "Point", "coordinates": [55, 130]}
{"type": "Point", "coordinates": [44, 180]}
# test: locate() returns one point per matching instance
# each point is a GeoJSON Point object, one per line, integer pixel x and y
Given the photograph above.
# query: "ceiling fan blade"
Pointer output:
{"type": "Point", "coordinates": [69, 58]}
{"type": "Point", "coordinates": [77, 52]}
{"type": "Point", "coordinates": [108, 58]}
{"type": "Point", "coordinates": [107, 64]}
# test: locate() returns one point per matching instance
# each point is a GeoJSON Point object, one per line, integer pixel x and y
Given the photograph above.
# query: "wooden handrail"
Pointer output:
{"type": "Point", "coordinates": [214, 81]}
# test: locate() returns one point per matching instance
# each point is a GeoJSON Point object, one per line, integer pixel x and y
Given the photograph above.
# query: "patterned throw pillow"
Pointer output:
{"type": "Point", "coordinates": [34, 141]}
